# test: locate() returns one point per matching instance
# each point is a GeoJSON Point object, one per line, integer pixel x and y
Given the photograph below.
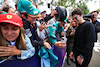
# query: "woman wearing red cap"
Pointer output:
{"type": "Point", "coordinates": [13, 41]}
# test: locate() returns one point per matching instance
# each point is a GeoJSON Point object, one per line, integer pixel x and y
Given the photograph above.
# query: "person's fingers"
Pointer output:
{"type": "Point", "coordinates": [62, 45]}
{"type": "Point", "coordinates": [49, 25]}
{"type": "Point", "coordinates": [5, 53]}
{"type": "Point", "coordinates": [2, 50]}
{"type": "Point", "coordinates": [62, 42]}
{"type": "Point", "coordinates": [43, 23]}
{"type": "Point", "coordinates": [80, 61]}
{"type": "Point", "coordinates": [71, 56]}
{"type": "Point", "coordinates": [49, 47]}
{"type": "Point", "coordinates": [3, 47]}
{"type": "Point", "coordinates": [11, 46]}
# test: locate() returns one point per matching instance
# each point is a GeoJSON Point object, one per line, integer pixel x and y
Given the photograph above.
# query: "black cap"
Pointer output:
{"type": "Point", "coordinates": [62, 13]}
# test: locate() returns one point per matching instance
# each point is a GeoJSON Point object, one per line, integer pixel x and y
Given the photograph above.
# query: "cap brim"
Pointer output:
{"type": "Point", "coordinates": [11, 22]}
{"type": "Point", "coordinates": [43, 12]}
{"type": "Point", "coordinates": [38, 15]}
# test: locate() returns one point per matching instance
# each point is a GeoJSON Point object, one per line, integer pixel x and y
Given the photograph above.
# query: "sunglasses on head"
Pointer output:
{"type": "Point", "coordinates": [75, 17]}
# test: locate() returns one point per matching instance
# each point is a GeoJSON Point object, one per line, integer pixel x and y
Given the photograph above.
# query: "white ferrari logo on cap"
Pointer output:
{"type": "Point", "coordinates": [9, 16]}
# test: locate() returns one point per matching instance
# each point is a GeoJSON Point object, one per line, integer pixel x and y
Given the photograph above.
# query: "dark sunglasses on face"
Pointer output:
{"type": "Point", "coordinates": [75, 17]}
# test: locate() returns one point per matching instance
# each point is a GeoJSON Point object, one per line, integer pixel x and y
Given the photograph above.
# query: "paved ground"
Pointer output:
{"type": "Point", "coordinates": [95, 61]}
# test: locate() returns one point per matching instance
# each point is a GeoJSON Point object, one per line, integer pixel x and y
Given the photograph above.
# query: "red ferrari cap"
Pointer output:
{"type": "Point", "coordinates": [12, 19]}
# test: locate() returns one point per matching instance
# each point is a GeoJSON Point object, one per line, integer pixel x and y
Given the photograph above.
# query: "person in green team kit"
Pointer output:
{"type": "Point", "coordinates": [51, 34]}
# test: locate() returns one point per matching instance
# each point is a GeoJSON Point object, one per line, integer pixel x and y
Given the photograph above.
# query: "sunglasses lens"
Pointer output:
{"type": "Point", "coordinates": [75, 17]}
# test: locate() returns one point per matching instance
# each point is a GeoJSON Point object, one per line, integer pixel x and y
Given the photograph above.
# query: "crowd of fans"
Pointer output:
{"type": "Point", "coordinates": [30, 38]}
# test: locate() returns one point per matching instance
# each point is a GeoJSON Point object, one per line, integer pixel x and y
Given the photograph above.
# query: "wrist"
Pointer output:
{"type": "Point", "coordinates": [18, 52]}
{"type": "Point", "coordinates": [52, 15]}
{"type": "Point", "coordinates": [41, 28]}
{"type": "Point", "coordinates": [55, 43]}
{"type": "Point", "coordinates": [81, 56]}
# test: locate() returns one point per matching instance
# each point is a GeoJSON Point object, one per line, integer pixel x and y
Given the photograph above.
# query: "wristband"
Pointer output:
{"type": "Point", "coordinates": [81, 56]}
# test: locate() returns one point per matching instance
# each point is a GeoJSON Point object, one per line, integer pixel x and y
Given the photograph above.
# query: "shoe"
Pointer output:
{"type": "Point", "coordinates": [72, 60]}
{"type": "Point", "coordinates": [68, 61]}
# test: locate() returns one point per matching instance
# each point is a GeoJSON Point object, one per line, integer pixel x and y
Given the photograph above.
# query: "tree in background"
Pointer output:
{"type": "Point", "coordinates": [70, 4]}
{"type": "Point", "coordinates": [65, 3]}
{"type": "Point", "coordinates": [82, 4]}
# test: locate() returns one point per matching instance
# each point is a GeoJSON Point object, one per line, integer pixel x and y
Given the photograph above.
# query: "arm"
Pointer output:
{"type": "Point", "coordinates": [63, 33]}
{"type": "Point", "coordinates": [69, 32]}
{"type": "Point", "coordinates": [21, 54]}
{"type": "Point", "coordinates": [58, 44]}
{"type": "Point", "coordinates": [48, 17]}
{"type": "Point", "coordinates": [90, 37]}
{"type": "Point", "coordinates": [5, 4]}
{"type": "Point", "coordinates": [29, 52]}
{"type": "Point", "coordinates": [37, 42]}
{"type": "Point", "coordinates": [42, 36]}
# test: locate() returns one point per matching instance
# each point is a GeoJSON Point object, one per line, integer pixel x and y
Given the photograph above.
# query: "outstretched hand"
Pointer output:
{"type": "Point", "coordinates": [54, 12]}
{"type": "Point", "coordinates": [47, 45]}
{"type": "Point", "coordinates": [44, 26]}
{"type": "Point", "coordinates": [60, 44]}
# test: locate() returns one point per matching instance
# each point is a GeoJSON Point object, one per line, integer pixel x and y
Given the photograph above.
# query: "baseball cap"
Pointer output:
{"type": "Point", "coordinates": [20, 8]}
{"type": "Point", "coordinates": [12, 19]}
{"type": "Point", "coordinates": [28, 7]}
{"type": "Point", "coordinates": [62, 13]}
{"type": "Point", "coordinates": [43, 12]}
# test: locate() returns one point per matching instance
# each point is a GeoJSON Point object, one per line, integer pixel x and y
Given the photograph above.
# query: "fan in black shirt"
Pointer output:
{"type": "Point", "coordinates": [84, 39]}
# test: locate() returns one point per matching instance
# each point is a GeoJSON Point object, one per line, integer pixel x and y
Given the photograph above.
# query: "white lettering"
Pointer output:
{"type": "Point", "coordinates": [35, 12]}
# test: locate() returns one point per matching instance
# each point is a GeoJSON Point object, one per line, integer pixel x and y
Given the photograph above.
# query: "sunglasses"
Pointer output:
{"type": "Point", "coordinates": [75, 17]}
{"type": "Point", "coordinates": [33, 17]}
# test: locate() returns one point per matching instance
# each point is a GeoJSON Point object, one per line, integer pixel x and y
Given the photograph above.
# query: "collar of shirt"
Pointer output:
{"type": "Point", "coordinates": [13, 43]}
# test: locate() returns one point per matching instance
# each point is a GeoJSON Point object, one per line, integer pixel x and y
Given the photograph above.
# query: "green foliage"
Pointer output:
{"type": "Point", "coordinates": [98, 10]}
{"type": "Point", "coordinates": [65, 3]}
{"type": "Point", "coordinates": [83, 7]}
{"type": "Point", "coordinates": [71, 4]}
{"type": "Point", "coordinates": [40, 2]}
